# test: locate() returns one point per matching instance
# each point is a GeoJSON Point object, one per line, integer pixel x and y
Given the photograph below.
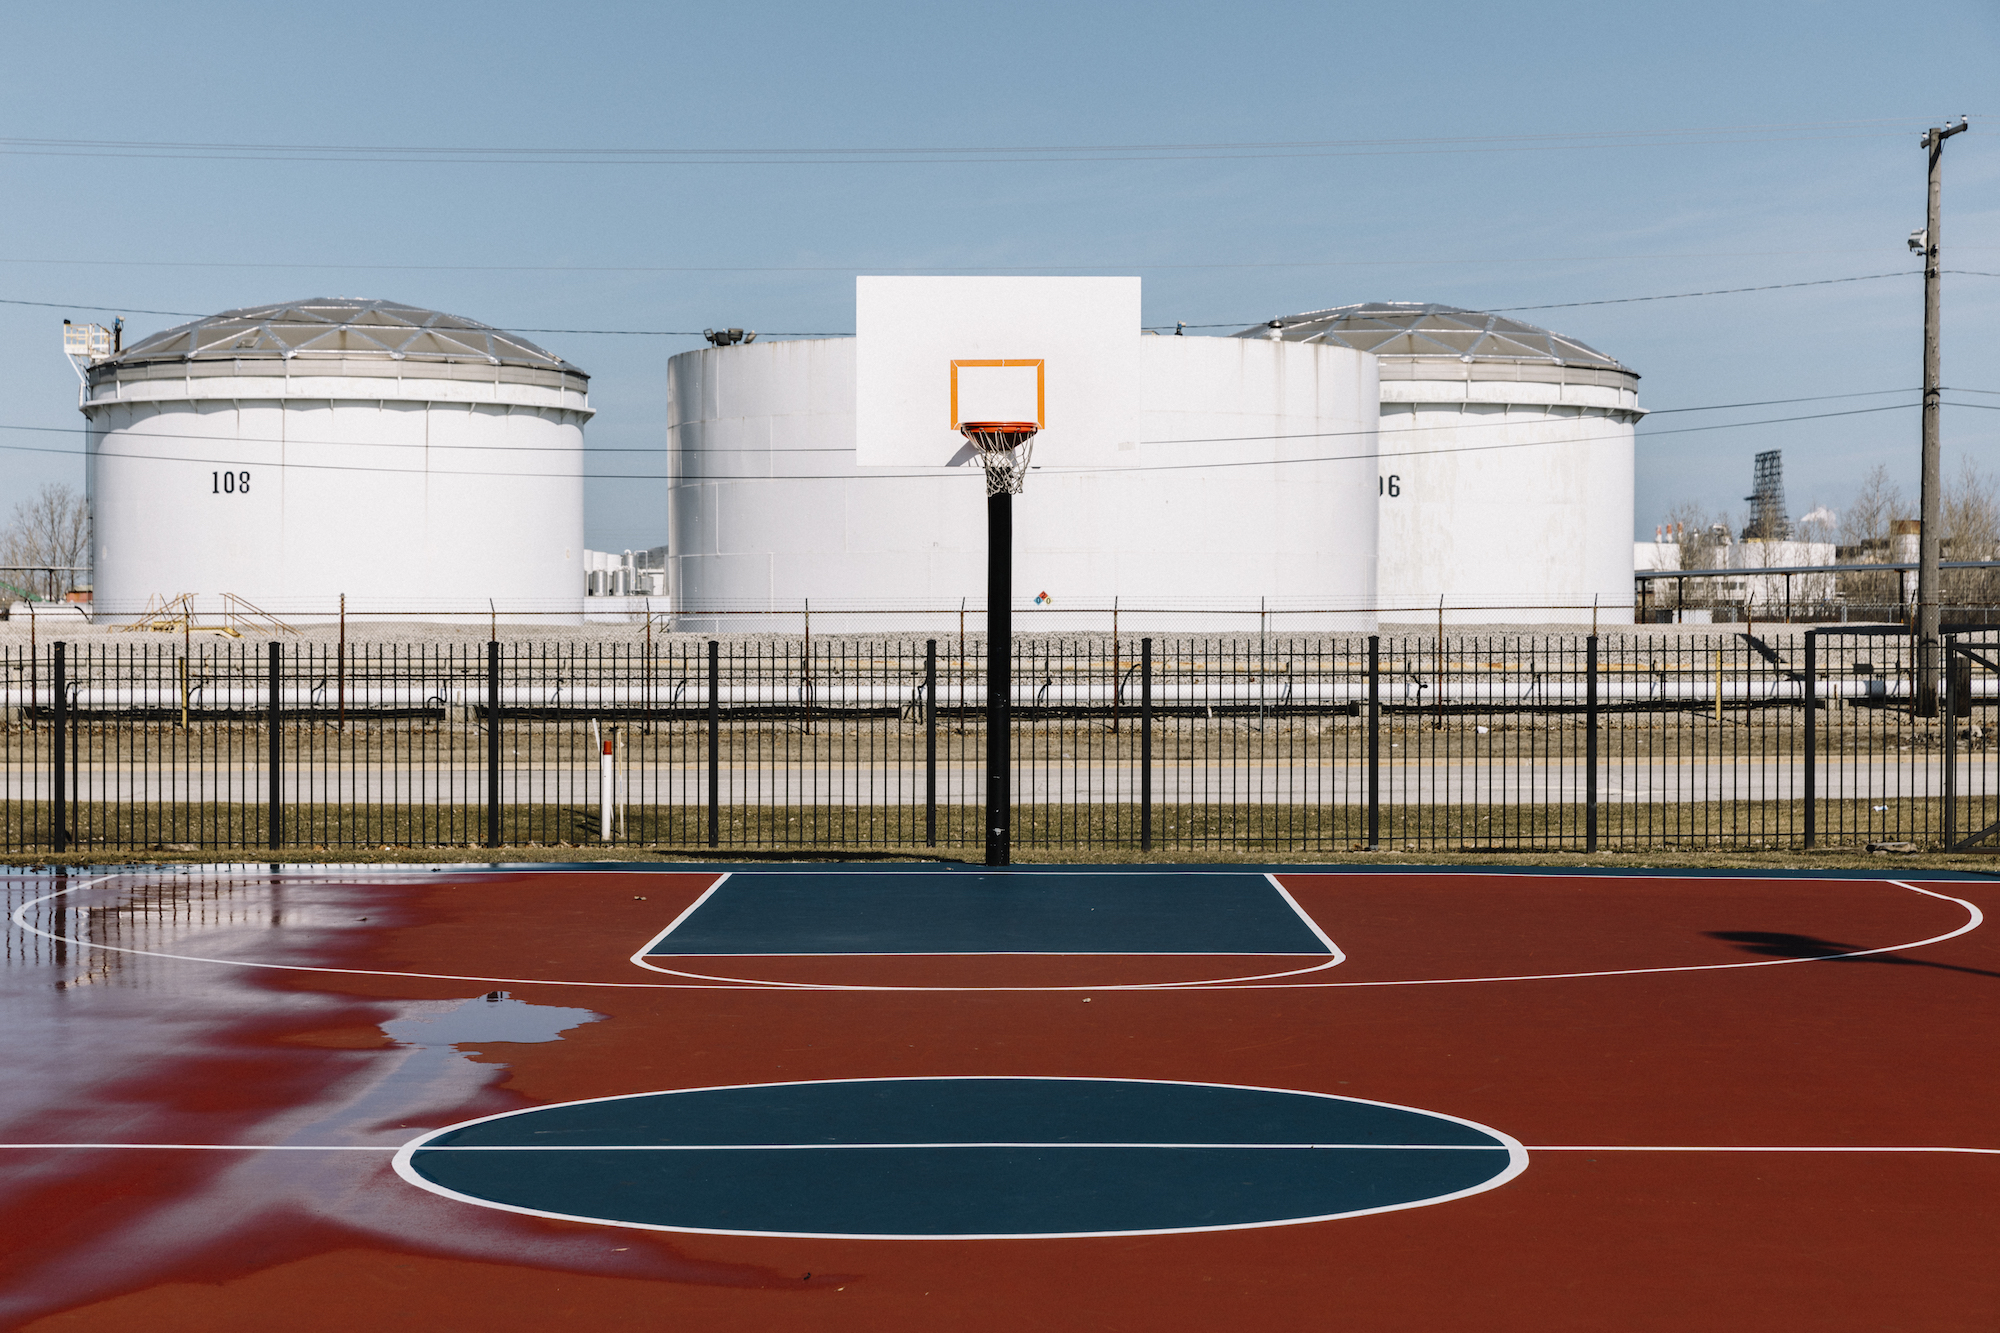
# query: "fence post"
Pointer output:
{"type": "Point", "coordinates": [1590, 746]}
{"type": "Point", "coordinates": [492, 742]}
{"type": "Point", "coordinates": [59, 813]}
{"type": "Point", "coordinates": [1374, 742]}
{"type": "Point", "coordinates": [930, 742]}
{"type": "Point", "coordinates": [1948, 711]}
{"type": "Point", "coordinates": [1145, 745]}
{"type": "Point", "coordinates": [1812, 736]}
{"type": "Point", "coordinates": [714, 743]}
{"type": "Point", "coordinates": [275, 793]}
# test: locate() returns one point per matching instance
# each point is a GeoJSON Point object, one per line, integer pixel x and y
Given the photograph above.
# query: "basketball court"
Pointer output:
{"type": "Point", "coordinates": [920, 1096]}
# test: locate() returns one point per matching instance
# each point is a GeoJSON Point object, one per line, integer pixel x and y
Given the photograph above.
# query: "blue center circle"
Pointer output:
{"type": "Point", "coordinates": [962, 1157]}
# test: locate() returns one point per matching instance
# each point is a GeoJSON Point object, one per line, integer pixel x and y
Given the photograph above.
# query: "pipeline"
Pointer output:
{"type": "Point", "coordinates": [1397, 692]}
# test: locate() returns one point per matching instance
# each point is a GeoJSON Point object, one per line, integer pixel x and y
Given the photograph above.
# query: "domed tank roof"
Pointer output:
{"type": "Point", "coordinates": [349, 329]}
{"type": "Point", "coordinates": [1410, 331]}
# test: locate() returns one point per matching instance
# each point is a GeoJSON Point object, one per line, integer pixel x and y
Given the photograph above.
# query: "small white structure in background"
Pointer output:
{"type": "Point", "coordinates": [624, 586]}
{"type": "Point", "coordinates": [1663, 552]}
{"type": "Point", "coordinates": [417, 462]}
{"type": "Point", "coordinates": [626, 574]}
{"type": "Point", "coordinates": [779, 498]}
{"type": "Point", "coordinates": [1906, 541]}
{"type": "Point", "coordinates": [50, 613]}
{"type": "Point", "coordinates": [85, 343]}
{"type": "Point", "coordinates": [1773, 590]}
{"type": "Point", "coordinates": [1506, 462]}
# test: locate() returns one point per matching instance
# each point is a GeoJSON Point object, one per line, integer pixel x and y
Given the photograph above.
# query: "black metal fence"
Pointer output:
{"type": "Point", "coordinates": [1260, 742]}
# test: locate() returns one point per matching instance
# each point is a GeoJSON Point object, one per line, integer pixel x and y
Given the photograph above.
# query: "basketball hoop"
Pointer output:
{"type": "Point", "coordinates": [1004, 449]}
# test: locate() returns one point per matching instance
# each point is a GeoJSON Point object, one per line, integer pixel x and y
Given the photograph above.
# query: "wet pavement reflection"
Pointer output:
{"type": "Point", "coordinates": [108, 1043]}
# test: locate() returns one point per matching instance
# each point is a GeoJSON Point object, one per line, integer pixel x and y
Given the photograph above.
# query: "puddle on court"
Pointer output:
{"type": "Point", "coordinates": [136, 1047]}
{"type": "Point", "coordinates": [495, 1016]}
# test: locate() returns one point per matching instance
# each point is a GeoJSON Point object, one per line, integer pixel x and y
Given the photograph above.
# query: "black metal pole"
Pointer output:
{"type": "Point", "coordinates": [1812, 735]}
{"type": "Point", "coordinates": [59, 814]}
{"type": "Point", "coordinates": [1947, 706]}
{"type": "Point", "coordinates": [1590, 746]}
{"type": "Point", "coordinates": [275, 793]}
{"type": "Point", "coordinates": [75, 779]}
{"type": "Point", "coordinates": [714, 743]}
{"type": "Point", "coordinates": [1374, 742]}
{"type": "Point", "coordinates": [493, 743]}
{"type": "Point", "coordinates": [1145, 745]}
{"type": "Point", "coordinates": [999, 675]}
{"type": "Point", "coordinates": [930, 742]}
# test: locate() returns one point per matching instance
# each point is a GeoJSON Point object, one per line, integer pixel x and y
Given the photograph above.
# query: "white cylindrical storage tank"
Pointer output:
{"type": "Point", "coordinates": [770, 510]}
{"type": "Point", "coordinates": [1505, 485]}
{"type": "Point", "coordinates": [417, 462]}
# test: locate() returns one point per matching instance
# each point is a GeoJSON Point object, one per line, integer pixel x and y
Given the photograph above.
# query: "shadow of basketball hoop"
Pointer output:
{"type": "Point", "coordinates": [1781, 944]}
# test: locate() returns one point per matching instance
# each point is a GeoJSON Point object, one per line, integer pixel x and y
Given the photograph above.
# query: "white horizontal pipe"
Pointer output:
{"type": "Point", "coordinates": [1398, 691]}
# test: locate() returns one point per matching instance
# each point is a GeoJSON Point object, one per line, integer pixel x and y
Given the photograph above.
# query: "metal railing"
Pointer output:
{"type": "Point", "coordinates": [1284, 743]}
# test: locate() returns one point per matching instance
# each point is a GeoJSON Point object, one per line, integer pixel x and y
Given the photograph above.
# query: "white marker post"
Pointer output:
{"type": "Point", "coordinates": [607, 781]}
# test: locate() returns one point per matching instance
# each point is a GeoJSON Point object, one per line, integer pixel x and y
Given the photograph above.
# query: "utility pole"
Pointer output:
{"type": "Point", "coordinates": [1926, 243]}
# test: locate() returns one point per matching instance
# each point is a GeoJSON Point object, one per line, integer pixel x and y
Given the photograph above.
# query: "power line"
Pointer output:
{"type": "Point", "coordinates": [1677, 430]}
{"type": "Point", "coordinates": [1629, 300]}
{"type": "Point", "coordinates": [945, 268]}
{"type": "Point", "coordinates": [1755, 129]}
{"type": "Point", "coordinates": [310, 442]}
{"type": "Point", "coordinates": [873, 475]}
{"type": "Point", "coordinates": [1777, 402]}
{"type": "Point", "coordinates": [198, 314]}
{"type": "Point", "coordinates": [696, 333]}
{"type": "Point", "coordinates": [527, 155]}
{"type": "Point", "coordinates": [1720, 291]}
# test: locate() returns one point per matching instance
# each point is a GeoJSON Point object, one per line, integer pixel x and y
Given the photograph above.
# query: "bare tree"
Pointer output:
{"type": "Point", "coordinates": [1703, 545]}
{"type": "Point", "coordinates": [1817, 525]}
{"type": "Point", "coordinates": [1865, 521]}
{"type": "Point", "coordinates": [50, 529]}
{"type": "Point", "coordinates": [1971, 514]}
{"type": "Point", "coordinates": [1971, 520]}
{"type": "Point", "coordinates": [1701, 534]}
{"type": "Point", "coordinates": [1864, 533]}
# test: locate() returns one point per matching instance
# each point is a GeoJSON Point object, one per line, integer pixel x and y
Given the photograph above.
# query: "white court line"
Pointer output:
{"type": "Point", "coordinates": [19, 919]}
{"type": "Point", "coordinates": [1335, 958]}
{"type": "Point", "coordinates": [675, 924]}
{"type": "Point", "coordinates": [1517, 1160]}
{"type": "Point", "coordinates": [766, 984]}
{"type": "Point", "coordinates": [775, 1147]}
{"type": "Point", "coordinates": [1974, 919]}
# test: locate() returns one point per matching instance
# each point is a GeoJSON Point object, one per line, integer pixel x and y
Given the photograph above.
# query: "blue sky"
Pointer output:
{"type": "Point", "coordinates": [1480, 155]}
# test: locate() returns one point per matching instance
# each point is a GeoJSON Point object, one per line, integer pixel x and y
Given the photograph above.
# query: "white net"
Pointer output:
{"type": "Point", "coordinates": [1004, 450]}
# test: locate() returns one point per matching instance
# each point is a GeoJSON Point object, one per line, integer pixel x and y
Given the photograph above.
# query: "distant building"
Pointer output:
{"type": "Point", "coordinates": [1773, 590]}
{"type": "Point", "coordinates": [625, 585]}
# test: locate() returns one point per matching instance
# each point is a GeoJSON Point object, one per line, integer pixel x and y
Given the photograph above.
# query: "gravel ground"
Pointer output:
{"type": "Point", "coordinates": [72, 630]}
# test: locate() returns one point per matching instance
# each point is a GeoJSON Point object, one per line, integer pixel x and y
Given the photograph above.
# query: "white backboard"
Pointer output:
{"type": "Point", "coordinates": [934, 352]}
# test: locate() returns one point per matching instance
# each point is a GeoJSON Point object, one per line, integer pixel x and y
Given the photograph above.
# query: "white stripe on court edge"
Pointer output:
{"type": "Point", "coordinates": [782, 1147]}
{"type": "Point", "coordinates": [1974, 918]}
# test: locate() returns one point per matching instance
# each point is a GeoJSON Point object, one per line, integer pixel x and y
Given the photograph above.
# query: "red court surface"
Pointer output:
{"type": "Point", "coordinates": [1726, 1126]}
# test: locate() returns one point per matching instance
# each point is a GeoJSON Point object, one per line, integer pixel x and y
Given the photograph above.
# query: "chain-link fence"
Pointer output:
{"type": "Point", "coordinates": [1244, 742]}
